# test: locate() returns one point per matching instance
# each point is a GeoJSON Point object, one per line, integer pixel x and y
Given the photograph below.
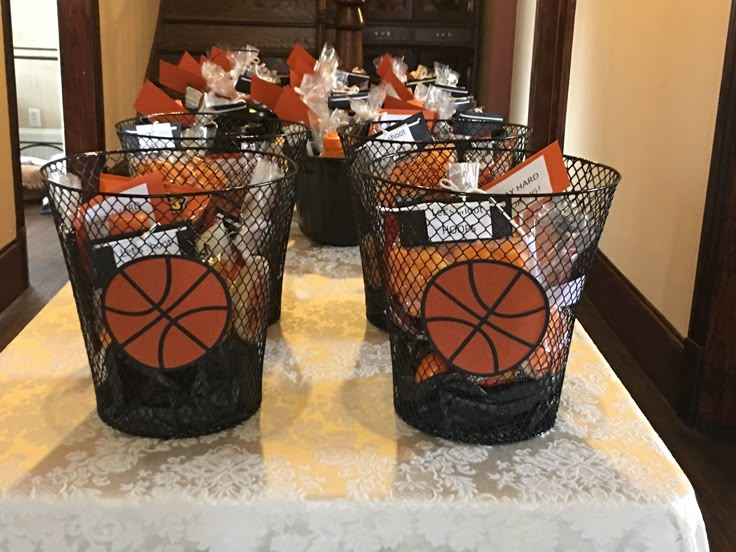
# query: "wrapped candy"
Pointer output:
{"type": "Point", "coordinates": [464, 176]}
{"type": "Point", "coordinates": [219, 81]}
{"type": "Point", "coordinates": [436, 99]}
{"type": "Point", "coordinates": [315, 90]}
{"type": "Point", "coordinates": [445, 75]}
{"type": "Point", "coordinates": [242, 61]}
{"type": "Point", "coordinates": [400, 68]}
{"type": "Point", "coordinates": [262, 72]}
{"type": "Point", "coordinates": [224, 85]}
{"type": "Point", "coordinates": [420, 73]}
{"type": "Point", "coordinates": [369, 109]}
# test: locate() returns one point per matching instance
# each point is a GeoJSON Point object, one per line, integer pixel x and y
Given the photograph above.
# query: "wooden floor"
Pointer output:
{"type": "Point", "coordinates": [709, 461]}
{"type": "Point", "coordinates": [47, 274]}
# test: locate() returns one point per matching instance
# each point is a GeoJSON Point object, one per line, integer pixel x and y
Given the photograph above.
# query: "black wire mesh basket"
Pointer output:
{"type": "Point", "coordinates": [362, 149]}
{"type": "Point", "coordinates": [247, 127]}
{"type": "Point", "coordinates": [171, 258]}
{"type": "Point", "coordinates": [481, 290]}
{"type": "Point", "coordinates": [324, 204]}
{"type": "Point", "coordinates": [228, 129]}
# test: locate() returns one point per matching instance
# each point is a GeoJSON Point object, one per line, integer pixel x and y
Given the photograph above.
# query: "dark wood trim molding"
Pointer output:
{"type": "Point", "coordinates": [501, 52]}
{"type": "Point", "coordinates": [152, 67]}
{"type": "Point", "coordinates": [14, 267]}
{"type": "Point", "coordinates": [81, 75]}
{"type": "Point", "coordinates": [713, 315]}
{"type": "Point", "coordinates": [553, 33]}
{"type": "Point", "coordinates": [649, 337]}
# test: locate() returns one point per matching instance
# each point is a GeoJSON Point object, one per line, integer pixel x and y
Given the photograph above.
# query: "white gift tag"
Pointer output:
{"type": "Point", "coordinates": [159, 243]}
{"type": "Point", "coordinates": [531, 179]}
{"type": "Point", "coordinates": [95, 217]}
{"type": "Point", "coordinates": [569, 294]}
{"type": "Point", "coordinates": [436, 222]}
{"type": "Point", "coordinates": [414, 129]}
{"type": "Point", "coordinates": [542, 173]}
{"type": "Point", "coordinates": [158, 135]}
{"type": "Point", "coordinates": [193, 99]}
{"type": "Point", "coordinates": [459, 221]}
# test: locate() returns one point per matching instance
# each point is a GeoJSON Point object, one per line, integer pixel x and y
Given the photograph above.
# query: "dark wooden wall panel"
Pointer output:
{"type": "Point", "coordinates": [713, 317]}
{"type": "Point", "coordinates": [81, 75]}
{"type": "Point", "coordinates": [501, 62]}
{"type": "Point", "coordinates": [196, 37]}
{"type": "Point", "coordinates": [14, 255]}
{"type": "Point", "coordinates": [234, 11]}
{"type": "Point", "coordinates": [553, 32]}
{"type": "Point", "coordinates": [648, 336]}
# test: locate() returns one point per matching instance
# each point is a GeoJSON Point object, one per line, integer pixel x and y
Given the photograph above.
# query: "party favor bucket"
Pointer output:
{"type": "Point", "coordinates": [171, 256]}
{"type": "Point", "coordinates": [481, 289]}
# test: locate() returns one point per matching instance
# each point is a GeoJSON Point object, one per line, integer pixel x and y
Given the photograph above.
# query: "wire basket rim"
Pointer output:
{"type": "Point", "coordinates": [133, 120]}
{"type": "Point", "coordinates": [612, 185]}
{"type": "Point", "coordinates": [46, 172]}
{"type": "Point", "coordinates": [525, 131]}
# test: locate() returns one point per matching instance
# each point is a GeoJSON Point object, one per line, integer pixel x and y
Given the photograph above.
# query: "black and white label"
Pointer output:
{"type": "Point", "coordinates": [342, 101]}
{"type": "Point", "coordinates": [568, 294]}
{"type": "Point", "coordinates": [193, 99]}
{"type": "Point", "coordinates": [464, 103]}
{"type": "Point", "coordinates": [244, 83]}
{"type": "Point", "coordinates": [95, 216]}
{"type": "Point", "coordinates": [158, 135]}
{"type": "Point", "coordinates": [429, 223]}
{"type": "Point", "coordinates": [107, 256]}
{"type": "Point", "coordinates": [478, 125]}
{"type": "Point", "coordinates": [411, 129]}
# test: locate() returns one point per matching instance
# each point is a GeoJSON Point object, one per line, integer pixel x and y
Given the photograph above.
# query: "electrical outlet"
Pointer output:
{"type": "Point", "coordinates": [34, 117]}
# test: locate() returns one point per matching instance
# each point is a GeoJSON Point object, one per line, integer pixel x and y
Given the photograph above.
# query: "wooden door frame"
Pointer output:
{"type": "Point", "coordinates": [14, 255]}
{"type": "Point", "coordinates": [710, 349]}
{"type": "Point", "coordinates": [81, 75]}
{"type": "Point", "coordinates": [550, 81]}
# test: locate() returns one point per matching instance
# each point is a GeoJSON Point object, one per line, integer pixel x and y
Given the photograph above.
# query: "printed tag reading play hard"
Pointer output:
{"type": "Point", "coordinates": [543, 173]}
{"type": "Point", "coordinates": [434, 222]}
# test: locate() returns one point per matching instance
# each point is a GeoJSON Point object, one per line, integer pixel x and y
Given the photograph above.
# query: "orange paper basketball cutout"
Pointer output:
{"type": "Point", "coordinates": [485, 317]}
{"type": "Point", "coordinates": [166, 312]}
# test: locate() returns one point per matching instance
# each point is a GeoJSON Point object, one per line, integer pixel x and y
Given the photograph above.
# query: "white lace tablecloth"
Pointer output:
{"type": "Point", "coordinates": [326, 465]}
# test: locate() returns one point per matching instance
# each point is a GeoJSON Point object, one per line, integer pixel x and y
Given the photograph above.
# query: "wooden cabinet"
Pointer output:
{"type": "Point", "coordinates": [444, 10]}
{"type": "Point", "coordinates": [387, 10]}
{"type": "Point", "coordinates": [423, 31]}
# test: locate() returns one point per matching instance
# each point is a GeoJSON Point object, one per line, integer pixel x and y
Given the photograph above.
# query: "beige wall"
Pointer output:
{"type": "Point", "coordinates": [35, 25]}
{"type": "Point", "coordinates": [643, 95]}
{"type": "Point", "coordinates": [7, 193]}
{"type": "Point", "coordinates": [526, 11]}
{"type": "Point", "coordinates": [127, 28]}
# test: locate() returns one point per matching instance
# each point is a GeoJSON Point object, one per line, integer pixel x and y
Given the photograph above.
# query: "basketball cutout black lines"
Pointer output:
{"type": "Point", "coordinates": [166, 312]}
{"type": "Point", "coordinates": [485, 317]}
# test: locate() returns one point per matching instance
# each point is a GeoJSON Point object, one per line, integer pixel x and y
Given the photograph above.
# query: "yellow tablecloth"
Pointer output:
{"type": "Point", "coordinates": [326, 465]}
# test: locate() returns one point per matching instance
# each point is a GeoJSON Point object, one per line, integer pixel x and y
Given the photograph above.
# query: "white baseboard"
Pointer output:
{"type": "Point", "coordinates": [55, 135]}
